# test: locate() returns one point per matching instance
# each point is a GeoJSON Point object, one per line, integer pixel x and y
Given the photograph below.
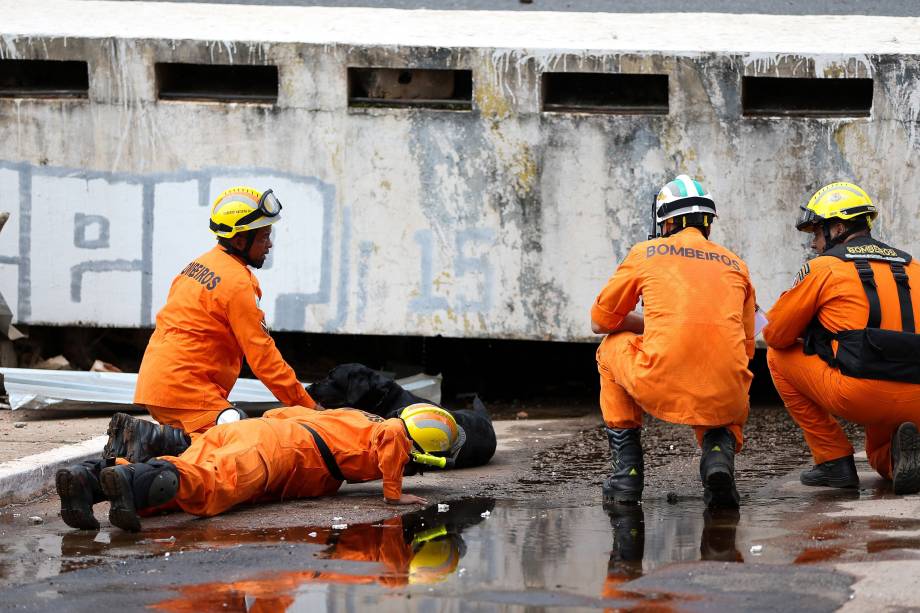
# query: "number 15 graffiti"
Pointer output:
{"type": "Point", "coordinates": [478, 300]}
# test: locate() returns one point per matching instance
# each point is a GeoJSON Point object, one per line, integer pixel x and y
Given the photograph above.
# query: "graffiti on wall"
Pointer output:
{"type": "Point", "coordinates": [103, 248]}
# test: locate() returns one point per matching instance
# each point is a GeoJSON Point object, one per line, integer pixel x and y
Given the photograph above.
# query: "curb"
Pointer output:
{"type": "Point", "coordinates": [28, 477]}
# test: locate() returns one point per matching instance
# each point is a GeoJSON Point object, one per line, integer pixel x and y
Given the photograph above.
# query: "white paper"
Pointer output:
{"type": "Point", "coordinates": [760, 321]}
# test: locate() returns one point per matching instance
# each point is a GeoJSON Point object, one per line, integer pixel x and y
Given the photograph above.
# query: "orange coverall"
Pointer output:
{"type": "Point", "coordinates": [690, 364]}
{"type": "Point", "coordinates": [210, 321]}
{"type": "Point", "coordinates": [812, 390]}
{"type": "Point", "coordinates": [274, 457]}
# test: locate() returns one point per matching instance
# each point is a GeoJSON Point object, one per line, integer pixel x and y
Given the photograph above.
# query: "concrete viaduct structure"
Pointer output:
{"type": "Point", "coordinates": [469, 174]}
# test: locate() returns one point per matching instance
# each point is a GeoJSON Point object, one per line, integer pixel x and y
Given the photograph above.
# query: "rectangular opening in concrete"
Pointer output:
{"type": "Point", "coordinates": [43, 79]}
{"type": "Point", "coordinates": [217, 83]}
{"type": "Point", "coordinates": [806, 97]}
{"type": "Point", "coordinates": [410, 88]}
{"type": "Point", "coordinates": [594, 92]}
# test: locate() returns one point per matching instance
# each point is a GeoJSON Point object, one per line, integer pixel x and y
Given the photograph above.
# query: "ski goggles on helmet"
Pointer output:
{"type": "Point", "coordinates": [807, 220]}
{"type": "Point", "coordinates": [269, 206]}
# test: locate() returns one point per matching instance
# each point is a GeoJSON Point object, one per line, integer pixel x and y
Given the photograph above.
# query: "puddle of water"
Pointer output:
{"type": "Point", "coordinates": [491, 554]}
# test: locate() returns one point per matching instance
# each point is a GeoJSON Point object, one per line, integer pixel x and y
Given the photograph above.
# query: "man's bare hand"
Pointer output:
{"type": "Point", "coordinates": [407, 499]}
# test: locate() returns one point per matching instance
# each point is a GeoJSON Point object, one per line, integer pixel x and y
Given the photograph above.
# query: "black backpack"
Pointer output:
{"type": "Point", "coordinates": [872, 353]}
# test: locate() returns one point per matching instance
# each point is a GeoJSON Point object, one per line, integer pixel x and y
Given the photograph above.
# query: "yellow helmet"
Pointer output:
{"type": "Point", "coordinates": [433, 430]}
{"type": "Point", "coordinates": [241, 208]}
{"type": "Point", "coordinates": [839, 201]}
{"type": "Point", "coordinates": [436, 555]}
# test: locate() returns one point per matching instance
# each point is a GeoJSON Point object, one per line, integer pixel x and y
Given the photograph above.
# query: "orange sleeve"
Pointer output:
{"type": "Point", "coordinates": [747, 319]}
{"type": "Point", "coordinates": [248, 324]}
{"type": "Point", "coordinates": [621, 294]}
{"type": "Point", "coordinates": [393, 447]}
{"type": "Point", "coordinates": [797, 306]}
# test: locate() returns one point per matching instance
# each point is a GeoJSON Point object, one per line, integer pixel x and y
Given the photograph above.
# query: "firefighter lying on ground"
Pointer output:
{"type": "Point", "coordinates": [854, 307]}
{"type": "Point", "coordinates": [684, 360]}
{"type": "Point", "coordinates": [292, 452]}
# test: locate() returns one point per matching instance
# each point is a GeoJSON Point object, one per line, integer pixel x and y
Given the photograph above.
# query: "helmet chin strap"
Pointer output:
{"type": "Point", "coordinates": [829, 242]}
{"type": "Point", "coordinates": [244, 253]}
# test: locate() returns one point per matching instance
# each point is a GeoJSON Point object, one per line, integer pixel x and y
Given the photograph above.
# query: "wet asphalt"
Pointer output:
{"type": "Point", "coordinates": [527, 533]}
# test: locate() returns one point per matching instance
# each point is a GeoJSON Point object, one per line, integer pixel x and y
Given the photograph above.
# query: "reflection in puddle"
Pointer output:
{"type": "Point", "coordinates": [507, 555]}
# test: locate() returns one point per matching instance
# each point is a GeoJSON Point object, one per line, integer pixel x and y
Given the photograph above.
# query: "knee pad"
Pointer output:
{"type": "Point", "coordinates": [155, 482]}
{"type": "Point", "coordinates": [230, 415]}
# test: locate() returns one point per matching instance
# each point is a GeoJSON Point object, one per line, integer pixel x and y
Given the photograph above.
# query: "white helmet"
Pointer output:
{"type": "Point", "coordinates": [683, 196]}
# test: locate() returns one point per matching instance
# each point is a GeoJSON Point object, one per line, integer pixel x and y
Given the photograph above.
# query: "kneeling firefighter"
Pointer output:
{"type": "Point", "coordinates": [684, 359]}
{"type": "Point", "coordinates": [854, 307]}
{"type": "Point", "coordinates": [292, 452]}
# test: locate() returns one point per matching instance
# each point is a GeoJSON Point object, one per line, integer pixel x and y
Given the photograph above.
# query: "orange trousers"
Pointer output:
{"type": "Point", "coordinates": [814, 393]}
{"type": "Point", "coordinates": [620, 410]}
{"type": "Point", "coordinates": [249, 461]}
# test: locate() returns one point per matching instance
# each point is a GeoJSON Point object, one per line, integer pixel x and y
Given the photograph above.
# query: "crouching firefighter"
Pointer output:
{"type": "Point", "coordinates": [292, 452]}
{"type": "Point", "coordinates": [843, 342]}
{"type": "Point", "coordinates": [684, 359]}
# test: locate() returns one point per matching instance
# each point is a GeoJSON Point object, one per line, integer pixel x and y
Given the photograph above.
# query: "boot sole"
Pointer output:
{"type": "Point", "coordinates": [906, 475]}
{"type": "Point", "coordinates": [69, 489]}
{"type": "Point", "coordinates": [122, 514]}
{"type": "Point", "coordinates": [117, 426]}
{"type": "Point", "coordinates": [721, 492]}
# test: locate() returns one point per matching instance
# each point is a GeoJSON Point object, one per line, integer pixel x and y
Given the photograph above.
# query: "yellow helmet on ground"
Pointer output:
{"type": "Point", "coordinates": [434, 431]}
{"type": "Point", "coordinates": [837, 201]}
{"type": "Point", "coordinates": [241, 208]}
{"type": "Point", "coordinates": [436, 554]}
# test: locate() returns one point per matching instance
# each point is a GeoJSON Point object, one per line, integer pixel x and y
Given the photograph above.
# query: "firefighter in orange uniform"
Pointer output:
{"type": "Point", "coordinates": [292, 452]}
{"type": "Point", "coordinates": [211, 320]}
{"type": "Point", "coordinates": [842, 343]}
{"type": "Point", "coordinates": [683, 360]}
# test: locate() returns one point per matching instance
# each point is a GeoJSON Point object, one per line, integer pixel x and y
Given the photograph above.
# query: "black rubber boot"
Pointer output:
{"type": "Point", "coordinates": [905, 459]}
{"type": "Point", "coordinates": [79, 489]}
{"type": "Point", "coordinates": [135, 487]}
{"type": "Point", "coordinates": [139, 440]}
{"type": "Point", "coordinates": [624, 485]}
{"type": "Point", "coordinates": [717, 542]}
{"type": "Point", "coordinates": [628, 523]}
{"type": "Point", "coordinates": [835, 473]}
{"type": "Point", "coordinates": [717, 470]}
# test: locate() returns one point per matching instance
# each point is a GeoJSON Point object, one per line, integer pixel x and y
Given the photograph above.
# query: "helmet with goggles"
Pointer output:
{"type": "Point", "coordinates": [436, 554]}
{"type": "Point", "coordinates": [240, 209]}
{"type": "Point", "coordinates": [836, 201]}
{"type": "Point", "coordinates": [684, 198]}
{"type": "Point", "coordinates": [435, 434]}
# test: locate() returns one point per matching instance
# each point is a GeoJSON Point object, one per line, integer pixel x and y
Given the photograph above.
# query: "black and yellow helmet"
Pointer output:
{"type": "Point", "coordinates": [839, 201]}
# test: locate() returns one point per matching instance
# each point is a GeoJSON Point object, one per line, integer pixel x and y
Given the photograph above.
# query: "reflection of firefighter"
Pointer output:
{"type": "Point", "coordinates": [407, 553]}
{"type": "Point", "coordinates": [717, 543]}
{"type": "Point", "coordinates": [292, 452]}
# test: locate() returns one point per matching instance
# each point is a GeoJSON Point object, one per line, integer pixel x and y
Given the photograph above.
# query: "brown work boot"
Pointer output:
{"type": "Point", "coordinates": [139, 440]}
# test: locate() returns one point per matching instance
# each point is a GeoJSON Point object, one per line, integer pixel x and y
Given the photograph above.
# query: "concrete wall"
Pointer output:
{"type": "Point", "coordinates": [499, 222]}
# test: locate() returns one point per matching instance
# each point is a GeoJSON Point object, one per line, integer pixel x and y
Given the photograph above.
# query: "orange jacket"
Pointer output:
{"type": "Point", "coordinates": [365, 446]}
{"type": "Point", "coordinates": [210, 321]}
{"type": "Point", "coordinates": [830, 287]}
{"type": "Point", "coordinates": [691, 360]}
